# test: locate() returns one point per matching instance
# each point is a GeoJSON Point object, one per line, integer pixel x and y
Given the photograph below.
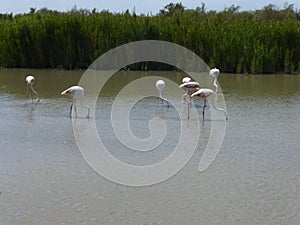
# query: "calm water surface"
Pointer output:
{"type": "Point", "coordinates": [254, 179]}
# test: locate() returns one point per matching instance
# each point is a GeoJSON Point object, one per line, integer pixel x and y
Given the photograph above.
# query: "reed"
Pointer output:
{"type": "Point", "coordinates": [262, 41]}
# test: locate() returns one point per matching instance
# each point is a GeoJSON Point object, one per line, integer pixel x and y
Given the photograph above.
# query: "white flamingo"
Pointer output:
{"type": "Point", "coordinates": [160, 86]}
{"type": "Point", "coordinates": [29, 82]}
{"type": "Point", "coordinates": [76, 92]}
{"type": "Point", "coordinates": [215, 73]}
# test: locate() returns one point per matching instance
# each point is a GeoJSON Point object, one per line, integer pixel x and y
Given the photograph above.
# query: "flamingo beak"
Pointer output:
{"type": "Point", "coordinates": [65, 92]}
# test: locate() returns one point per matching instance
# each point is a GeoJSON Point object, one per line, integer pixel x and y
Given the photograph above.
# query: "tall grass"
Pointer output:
{"type": "Point", "coordinates": [262, 41]}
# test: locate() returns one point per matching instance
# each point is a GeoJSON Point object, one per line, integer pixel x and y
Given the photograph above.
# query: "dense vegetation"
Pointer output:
{"type": "Point", "coordinates": [261, 41]}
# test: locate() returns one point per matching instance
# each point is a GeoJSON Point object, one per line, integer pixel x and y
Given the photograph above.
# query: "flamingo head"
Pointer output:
{"type": "Point", "coordinates": [186, 79]}
{"type": "Point", "coordinates": [214, 72]}
{"type": "Point", "coordinates": [30, 80]}
{"type": "Point", "coordinates": [66, 92]}
{"type": "Point", "coordinates": [75, 91]}
{"type": "Point", "coordinates": [160, 85]}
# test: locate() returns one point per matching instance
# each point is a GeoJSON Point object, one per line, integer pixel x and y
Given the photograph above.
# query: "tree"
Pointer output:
{"type": "Point", "coordinates": [172, 8]}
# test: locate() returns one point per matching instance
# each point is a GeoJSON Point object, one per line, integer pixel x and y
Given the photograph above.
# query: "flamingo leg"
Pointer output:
{"type": "Point", "coordinates": [185, 95]}
{"type": "Point", "coordinates": [84, 106]}
{"type": "Point", "coordinates": [188, 112]}
{"type": "Point", "coordinates": [190, 99]}
{"type": "Point", "coordinates": [190, 102]}
{"type": "Point", "coordinates": [204, 106]}
{"type": "Point", "coordinates": [75, 107]}
{"type": "Point", "coordinates": [162, 101]}
{"type": "Point", "coordinates": [36, 94]}
{"type": "Point", "coordinates": [27, 94]}
{"type": "Point", "coordinates": [70, 114]}
{"type": "Point", "coordinates": [157, 98]}
{"type": "Point", "coordinates": [184, 98]}
{"type": "Point", "coordinates": [31, 93]}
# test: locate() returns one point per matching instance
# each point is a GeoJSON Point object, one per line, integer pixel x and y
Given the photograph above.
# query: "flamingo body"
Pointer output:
{"type": "Point", "coordinates": [203, 93]}
{"type": "Point", "coordinates": [76, 92]}
{"type": "Point", "coordinates": [192, 85]}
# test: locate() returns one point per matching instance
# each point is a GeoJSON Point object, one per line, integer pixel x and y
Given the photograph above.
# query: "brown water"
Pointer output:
{"type": "Point", "coordinates": [254, 179]}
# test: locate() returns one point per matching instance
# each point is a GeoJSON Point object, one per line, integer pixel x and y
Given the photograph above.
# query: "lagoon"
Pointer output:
{"type": "Point", "coordinates": [254, 179]}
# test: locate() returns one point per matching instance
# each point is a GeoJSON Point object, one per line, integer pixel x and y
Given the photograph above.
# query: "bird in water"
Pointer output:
{"type": "Point", "coordinates": [29, 82]}
{"type": "Point", "coordinates": [215, 73]}
{"type": "Point", "coordinates": [204, 93]}
{"type": "Point", "coordinates": [160, 86]}
{"type": "Point", "coordinates": [189, 87]}
{"type": "Point", "coordinates": [76, 92]}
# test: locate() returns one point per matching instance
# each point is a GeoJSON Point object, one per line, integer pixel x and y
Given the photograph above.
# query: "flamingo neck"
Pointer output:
{"type": "Point", "coordinates": [216, 84]}
{"type": "Point", "coordinates": [219, 109]}
{"type": "Point", "coordinates": [162, 98]}
{"type": "Point", "coordinates": [85, 106]}
{"type": "Point", "coordinates": [88, 108]}
{"type": "Point", "coordinates": [34, 91]}
{"type": "Point", "coordinates": [160, 95]}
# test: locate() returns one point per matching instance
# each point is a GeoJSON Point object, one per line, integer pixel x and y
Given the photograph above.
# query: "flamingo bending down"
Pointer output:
{"type": "Point", "coordinates": [203, 94]}
{"type": "Point", "coordinates": [215, 73]}
{"type": "Point", "coordinates": [29, 82]}
{"type": "Point", "coordinates": [189, 87]}
{"type": "Point", "coordinates": [185, 80]}
{"type": "Point", "coordinates": [78, 93]}
{"type": "Point", "coordinates": [160, 86]}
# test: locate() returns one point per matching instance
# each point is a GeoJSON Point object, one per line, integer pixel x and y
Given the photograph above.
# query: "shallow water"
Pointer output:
{"type": "Point", "coordinates": [253, 180]}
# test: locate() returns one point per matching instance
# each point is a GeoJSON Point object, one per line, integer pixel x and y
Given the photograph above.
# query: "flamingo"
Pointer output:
{"type": "Point", "coordinates": [78, 93]}
{"type": "Point", "coordinates": [189, 87]}
{"type": "Point", "coordinates": [186, 79]}
{"type": "Point", "coordinates": [29, 82]}
{"type": "Point", "coordinates": [160, 86]}
{"type": "Point", "coordinates": [215, 73]}
{"type": "Point", "coordinates": [203, 94]}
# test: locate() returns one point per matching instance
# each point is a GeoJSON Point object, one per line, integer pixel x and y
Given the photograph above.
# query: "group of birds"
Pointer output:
{"type": "Point", "coordinates": [193, 92]}
{"type": "Point", "coordinates": [76, 92]}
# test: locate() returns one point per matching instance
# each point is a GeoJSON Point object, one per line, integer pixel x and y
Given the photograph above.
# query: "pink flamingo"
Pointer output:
{"type": "Point", "coordinates": [189, 87]}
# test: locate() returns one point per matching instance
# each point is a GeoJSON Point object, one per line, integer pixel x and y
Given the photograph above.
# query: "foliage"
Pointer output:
{"type": "Point", "coordinates": [261, 41]}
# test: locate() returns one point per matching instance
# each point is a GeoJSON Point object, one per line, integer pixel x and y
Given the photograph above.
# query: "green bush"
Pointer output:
{"type": "Point", "coordinates": [261, 41]}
